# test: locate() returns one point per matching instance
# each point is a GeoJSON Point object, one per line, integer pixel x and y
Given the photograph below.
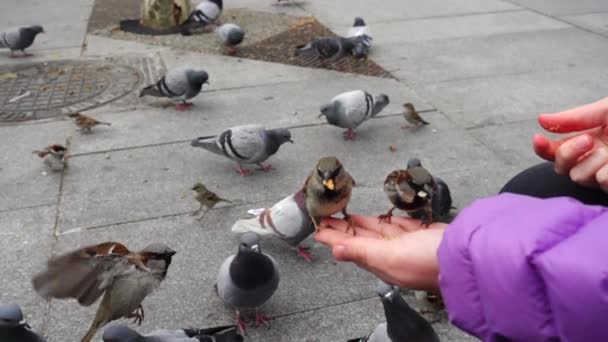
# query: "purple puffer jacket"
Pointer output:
{"type": "Point", "coordinates": [517, 268]}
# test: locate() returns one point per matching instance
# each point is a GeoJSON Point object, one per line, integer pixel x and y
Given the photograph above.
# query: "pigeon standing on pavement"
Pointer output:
{"type": "Point", "coordinates": [247, 144]}
{"type": "Point", "coordinates": [349, 110]}
{"type": "Point", "coordinates": [13, 328]}
{"type": "Point", "coordinates": [361, 37]}
{"type": "Point", "coordinates": [206, 13]}
{"type": "Point", "coordinates": [288, 219]}
{"type": "Point", "coordinates": [441, 199]}
{"type": "Point", "coordinates": [122, 333]}
{"type": "Point", "coordinates": [328, 49]}
{"type": "Point", "coordinates": [180, 85]}
{"type": "Point", "coordinates": [53, 156]}
{"type": "Point", "coordinates": [412, 117]}
{"type": "Point", "coordinates": [123, 277]}
{"type": "Point", "coordinates": [328, 190]}
{"type": "Point", "coordinates": [20, 39]}
{"type": "Point", "coordinates": [230, 35]}
{"type": "Point", "coordinates": [86, 123]}
{"type": "Point", "coordinates": [248, 279]}
{"type": "Point", "coordinates": [403, 324]}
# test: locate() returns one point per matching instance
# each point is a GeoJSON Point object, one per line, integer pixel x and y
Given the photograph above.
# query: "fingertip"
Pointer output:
{"type": "Point", "coordinates": [339, 252]}
{"type": "Point", "coordinates": [542, 147]}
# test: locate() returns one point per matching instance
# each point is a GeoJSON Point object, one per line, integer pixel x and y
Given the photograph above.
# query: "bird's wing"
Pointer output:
{"type": "Point", "coordinates": [358, 106]}
{"type": "Point", "coordinates": [176, 82]}
{"type": "Point", "coordinates": [85, 273]}
{"type": "Point", "coordinates": [327, 47]}
{"type": "Point", "coordinates": [9, 39]}
{"type": "Point", "coordinates": [209, 12]}
{"type": "Point", "coordinates": [244, 143]}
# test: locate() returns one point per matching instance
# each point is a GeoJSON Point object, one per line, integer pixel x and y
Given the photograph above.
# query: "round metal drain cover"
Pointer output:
{"type": "Point", "coordinates": [46, 90]}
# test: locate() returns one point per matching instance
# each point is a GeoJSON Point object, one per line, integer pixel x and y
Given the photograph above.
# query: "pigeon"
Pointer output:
{"type": "Point", "coordinates": [179, 84]}
{"type": "Point", "coordinates": [20, 39]}
{"type": "Point", "coordinates": [328, 190]}
{"type": "Point", "coordinates": [230, 35]}
{"type": "Point", "coordinates": [122, 333]}
{"type": "Point", "coordinates": [123, 277]}
{"type": "Point", "coordinates": [206, 197]}
{"type": "Point", "coordinates": [13, 328]}
{"type": "Point", "coordinates": [246, 144]}
{"type": "Point", "coordinates": [362, 38]}
{"type": "Point", "coordinates": [53, 156]}
{"type": "Point", "coordinates": [288, 219]}
{"type": "Point", "coordinates": [441, 199]}
{"type": "Point", "coordinates": [349, 110]}
{"type": "Point", "coordinates": [205, 13]}
{"type": "Point", "coordinates": [326, 48]}
{"type": "Point", "coordinates": [248, 279]}
{"type": "Point", "coordinates": [403, 324]}
{"type": "Point", "coordinates": [410, 190]}
{"type": "Point", "coordinates": [86, 123]}
{"type": "Point", "coordinates": [412, 117]}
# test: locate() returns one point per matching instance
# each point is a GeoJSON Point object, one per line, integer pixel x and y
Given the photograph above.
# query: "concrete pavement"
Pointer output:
{"type": "Point", "coordinates": [481, 71]}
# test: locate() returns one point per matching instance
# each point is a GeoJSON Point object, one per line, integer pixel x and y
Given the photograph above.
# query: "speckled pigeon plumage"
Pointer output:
{"type": "Point", "coordinates": [248, 279]}
{"type": "Point", "coordinates": [122, 333]}
{"type": "Point", "coordinates": [178, 84]}
{"type": "Point", "coordinates": [246, 144]}
{"type": "Point", "coordinates": [13, 328]}
{"type": "Point", "coordinates": [288, 219]}
{"type": "Point", "coordinates": [361, 37]}
{"type": "Point", "coordinates": [349, 110]}
{"type": "Point", "coordinates": [20, 38]}
{"type": "Point", "coordinates": [326, 48]}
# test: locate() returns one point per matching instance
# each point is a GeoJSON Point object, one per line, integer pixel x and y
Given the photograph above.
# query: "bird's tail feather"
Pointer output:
{"type": "Point", "coordinates": [151, 90]}
{"type": "Point", "coordinates": [250, 225]}
{"type": "Point", "coordinates": [92, 331]}
{"type": "Point", "coordinates": [208, 143]}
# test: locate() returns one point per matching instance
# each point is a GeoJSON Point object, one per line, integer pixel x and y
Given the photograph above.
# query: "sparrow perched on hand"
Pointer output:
{"type": "Point", "coordinates": [441, 201]}
{"type": "Point", "coordinates": [124, 278]}
{"type": "Point", "coordinates": [412, 117]}
{"type": "Point", "coordinates": [327, 190]}
{"type": "Point", "coordinates": [410, 190]}
{"type": "Point", "coordinates": [53, 156]}
{"type": "Point", "coordinates": [206, 197]}
{"type": "Point", "coordinates": [85, 123]}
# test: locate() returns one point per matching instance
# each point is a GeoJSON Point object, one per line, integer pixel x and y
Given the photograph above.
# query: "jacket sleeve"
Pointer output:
{"type": "Point", "coordinates": [517, 268]}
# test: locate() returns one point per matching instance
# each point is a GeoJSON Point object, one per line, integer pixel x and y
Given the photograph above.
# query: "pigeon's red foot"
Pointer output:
{"type": "Point", "coordinates": [261, 319]}
{"type": "Point", "coordinates": [230, 51]}
{"type": "Point", "coordinates": [265, 168]}
{"type": "Point", "coordinates": [183, 106]}
{"type": "Point", "coordinates": [304, 252]}
{"type": "Point", "coordinates": [243, 172]}
{"type": "Point", "coordinates": [240, 324]}
{"type": "Point", "coordinates": [349, 134]}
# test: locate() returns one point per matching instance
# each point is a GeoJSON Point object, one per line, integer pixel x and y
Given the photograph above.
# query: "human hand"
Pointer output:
{"type": "Point", "coordinates": [403, 252]}
{"type": "Point", "coordinates": [582, 155]}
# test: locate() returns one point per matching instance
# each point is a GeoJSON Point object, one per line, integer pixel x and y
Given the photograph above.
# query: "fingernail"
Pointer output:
{"type": "Point", "coordinates": [583, 142]}
{"type": "Point", "coordinates": [340, 252]}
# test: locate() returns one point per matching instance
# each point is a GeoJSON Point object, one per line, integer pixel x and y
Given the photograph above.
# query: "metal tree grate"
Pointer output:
{"type": "Point", "coordinates": [280, 49]}
{"type": "Point", "coordinates": [45, 90]}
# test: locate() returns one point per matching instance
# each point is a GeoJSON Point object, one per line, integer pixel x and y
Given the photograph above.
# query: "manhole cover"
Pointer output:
{"type": "Point", "coordinates": [45, 90]}
{"type": "Point", "coordinates": [280, 49]}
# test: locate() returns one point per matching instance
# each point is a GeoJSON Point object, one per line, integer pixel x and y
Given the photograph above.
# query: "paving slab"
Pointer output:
{"type": "Point", "coordinates": [342, 12]}
{"type": "Point", "coordinates": [24, 181]}
{"type": "Point", "coordinates": [274, 105]}
{"type": "Point", "coordinates": [187, 298]}
{"type": "Point", "coordinates": [564, 7]}
{"type": "Point", "coordinates": [596, 22]}
{"type": "Point", "coordinates": [473, 57]}
{"type": "Point", "coordinates": [26, 242]}
{"type": "Point", "coordinates": [484, 101]}
{"type": "Point", "coordinates": [153, 180]}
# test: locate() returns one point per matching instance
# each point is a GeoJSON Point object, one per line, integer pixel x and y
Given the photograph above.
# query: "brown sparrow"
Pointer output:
{"type": "Point", "coordinates": [53, 156]}
{"type": "Point", "coordinates": [206, 197]}
{"type": "Point", "coordinates": [412, 117]}
{"type": "Point", "coordinates": [85, 123]}
{"type": "Point", "coordinates": [327, 190]}
{"type": "Point", "coordinates": [410, 190]}
{"type": "Point", "coordinates": [124, 278]}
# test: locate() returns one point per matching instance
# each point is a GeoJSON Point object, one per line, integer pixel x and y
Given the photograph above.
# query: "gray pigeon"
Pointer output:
{"type": "Point", "coordinates": [248, 279]}
{"type": "Point", "coordinates": [247, 144]}
{"type": "Point", "coordinates": [326, 48]}
{"type": "Point", "coordinates": [287, 219]}
{"type": "Point", "coordinates": [349, 110]}
{"type": "Point", "coordinates": [20, 39]}
{"type": "Point", "coordinates": [122, 333]}
{"type": "Point", "coordinates": [403, 324]}
{"type": "Point", "coordinates": [179, 85]}
{"type": "Point", "coordinates": [441, 198]}
{"type": "Point", "coordinates": [13, 328]}
{"type": "Point", "coordinates": [230, 35]}
{"type": "Point", "coordinates": [205, 13]}
{"type": "Point", "coordinates": [361, 37]}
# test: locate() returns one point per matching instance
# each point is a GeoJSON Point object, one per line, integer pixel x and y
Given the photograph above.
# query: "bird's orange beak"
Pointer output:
{"type": "Point", "coordinates": [329, 183]}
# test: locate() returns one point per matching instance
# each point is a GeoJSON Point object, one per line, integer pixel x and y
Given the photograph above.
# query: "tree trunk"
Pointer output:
{"type": "Point", "coordinates": [164, 14]}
